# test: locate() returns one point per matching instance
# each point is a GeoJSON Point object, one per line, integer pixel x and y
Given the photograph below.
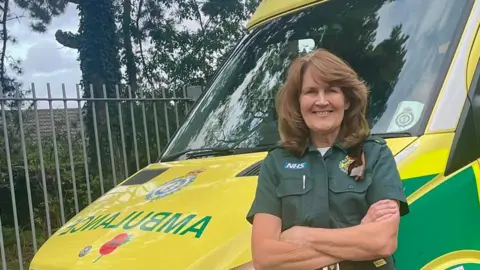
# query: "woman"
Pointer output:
{"type": "Point", "coordinates": [330, 195]}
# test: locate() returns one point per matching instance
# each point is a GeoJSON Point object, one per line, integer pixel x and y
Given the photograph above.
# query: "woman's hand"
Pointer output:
{"type": "Point", "coordinates": [381, 210]}
{"type": "Point", "coordinates": [269, 252]}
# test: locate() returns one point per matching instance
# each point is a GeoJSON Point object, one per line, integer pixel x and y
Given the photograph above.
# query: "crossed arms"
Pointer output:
{"type": "Point", "coordinates": [313, 248]}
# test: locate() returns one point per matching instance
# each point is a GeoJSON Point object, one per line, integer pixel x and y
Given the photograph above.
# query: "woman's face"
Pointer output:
{"type": "Point", "coordinates": [322, 106]}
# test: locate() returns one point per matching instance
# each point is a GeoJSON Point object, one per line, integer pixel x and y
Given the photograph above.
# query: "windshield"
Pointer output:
{"type": "Point", "coordinates": [400, 48]}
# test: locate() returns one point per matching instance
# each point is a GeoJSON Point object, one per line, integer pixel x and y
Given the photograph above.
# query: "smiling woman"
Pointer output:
{"type": "Point", "coordinates": [328, 91]}
{"type": "Point", "coordinates": [342, 208]}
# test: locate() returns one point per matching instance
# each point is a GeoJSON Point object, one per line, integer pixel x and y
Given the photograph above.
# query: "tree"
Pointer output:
{"type": "Point", "coordinates": [98, 48]}
{"type": "Point", "coordinates": [189, 38]}
{"type": "Point", "coordinates": [41, 13]}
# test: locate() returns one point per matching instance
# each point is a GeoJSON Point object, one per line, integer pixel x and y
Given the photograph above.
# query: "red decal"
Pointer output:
{"type": "Point", "coordinates": [113, 244]}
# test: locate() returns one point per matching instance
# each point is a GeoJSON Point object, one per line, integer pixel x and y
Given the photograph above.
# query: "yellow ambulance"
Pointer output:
{"type": "Point", "coordinates": [187, 211]}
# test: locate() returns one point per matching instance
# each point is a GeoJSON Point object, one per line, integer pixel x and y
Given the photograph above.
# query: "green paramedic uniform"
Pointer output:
{"type": "Point", "coordinates": [316, 191]}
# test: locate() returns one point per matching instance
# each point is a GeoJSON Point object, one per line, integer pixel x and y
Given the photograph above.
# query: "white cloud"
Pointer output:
{"type": "Point", "coordinates": [44, 60]}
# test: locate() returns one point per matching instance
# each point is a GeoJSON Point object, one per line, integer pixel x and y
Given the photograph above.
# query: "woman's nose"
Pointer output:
{"type": "Point", "coordinates": [321, 100]}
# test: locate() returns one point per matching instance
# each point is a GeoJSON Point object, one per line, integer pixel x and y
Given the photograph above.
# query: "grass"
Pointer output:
{"type": "Point", "coordinates": [10, 244]}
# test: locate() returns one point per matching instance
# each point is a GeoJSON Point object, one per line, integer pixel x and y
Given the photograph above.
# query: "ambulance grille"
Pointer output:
{"type": "Point", "coordinates": [144, 176]}
{"type": "Point", "coordinates": [253, 170]}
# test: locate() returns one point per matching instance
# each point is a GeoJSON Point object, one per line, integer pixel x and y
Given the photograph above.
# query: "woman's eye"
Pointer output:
{"type": "Point", "coordinates": [333, 89]}
{"type": "Point", "coordinates": [308, 91]}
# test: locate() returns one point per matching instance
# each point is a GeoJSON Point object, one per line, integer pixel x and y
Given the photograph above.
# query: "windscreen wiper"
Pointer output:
{"type": "Point", "coordinates": [390, 135]}
{"type": "Point", "coordinates": [257, 148]}
{"type": "Point", "coordinates": [215, 151]}
{"type": "Point", "coordinates": [200, 152]}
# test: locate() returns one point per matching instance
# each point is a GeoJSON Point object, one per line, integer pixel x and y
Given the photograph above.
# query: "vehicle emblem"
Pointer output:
{"type": "Point", "coordinates": [405, 118]}
{"type": "Point", "coordinates": [84, 251]}
{"type": "Point", "coordinates": [113, 244]}
{"type": "Point", "coordinates": [172, 186]}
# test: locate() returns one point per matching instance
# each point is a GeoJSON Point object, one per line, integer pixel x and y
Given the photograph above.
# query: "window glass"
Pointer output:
{"type": "Point", "coordinates": [397, 47]}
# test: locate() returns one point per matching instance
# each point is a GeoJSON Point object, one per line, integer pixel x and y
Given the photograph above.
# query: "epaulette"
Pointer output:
{"type": "Point", "coordinates": [275, 146]}
{"type": "Point", "coordinates": [376, 139]}
{"type": "Point", "coordinates": [281, 150]}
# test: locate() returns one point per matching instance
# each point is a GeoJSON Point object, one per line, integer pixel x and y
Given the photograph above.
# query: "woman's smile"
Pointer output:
{"type": "Point", "coordinates": [323, 113]}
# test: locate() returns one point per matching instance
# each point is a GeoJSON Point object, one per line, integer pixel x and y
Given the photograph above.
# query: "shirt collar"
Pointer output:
{"type": "Point", "coordinates": [311, 148]}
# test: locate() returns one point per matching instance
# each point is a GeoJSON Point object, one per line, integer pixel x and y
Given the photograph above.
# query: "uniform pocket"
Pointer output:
{"type": "Point", "coordinates": [348, 197]}
{"type": "Point", "coordinates": [295, 194]}
{"type": "Point", "coordinates": [347, 184]}
{"type": "Point", "coordinates": [292, 186]}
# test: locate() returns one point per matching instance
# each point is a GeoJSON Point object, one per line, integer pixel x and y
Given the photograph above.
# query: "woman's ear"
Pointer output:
{"type": "Point", "coordinates": [347, 104]}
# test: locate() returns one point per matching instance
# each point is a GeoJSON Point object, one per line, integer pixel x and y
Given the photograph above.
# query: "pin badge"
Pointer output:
{"type": "Point", "coordinates": [380, 262]}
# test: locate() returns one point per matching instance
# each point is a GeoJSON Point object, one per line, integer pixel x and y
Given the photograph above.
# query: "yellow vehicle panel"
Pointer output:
{"type": "Point", "coordinates": [191, 216]}
{"type": "Point", "coordinates": [269, 9]}
{"type": "Point", "coordinates": [127, 229]}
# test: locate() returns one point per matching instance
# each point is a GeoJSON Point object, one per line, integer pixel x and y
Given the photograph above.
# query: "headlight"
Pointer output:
{"type": "Point", "coordinates": [245, 266]}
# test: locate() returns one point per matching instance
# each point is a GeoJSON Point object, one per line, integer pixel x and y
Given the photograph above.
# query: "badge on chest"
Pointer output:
{"type": "Point", "coordinates": [352, 167]}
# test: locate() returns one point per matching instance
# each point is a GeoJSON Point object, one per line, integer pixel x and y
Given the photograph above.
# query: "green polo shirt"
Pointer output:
{"type": "Point", "coordinates": [316, 191]}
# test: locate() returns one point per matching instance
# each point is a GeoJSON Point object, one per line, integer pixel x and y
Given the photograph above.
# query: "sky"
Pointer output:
{"type": "Point", "coordinates": [43, 59]}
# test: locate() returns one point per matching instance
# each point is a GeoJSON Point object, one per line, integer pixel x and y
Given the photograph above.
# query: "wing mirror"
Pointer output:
{"type": "Point", "coordinates": [194, 92]}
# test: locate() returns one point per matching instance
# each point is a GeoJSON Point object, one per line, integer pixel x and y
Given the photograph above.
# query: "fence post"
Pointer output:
{"type": "Point", "coordinates": [61, 138]}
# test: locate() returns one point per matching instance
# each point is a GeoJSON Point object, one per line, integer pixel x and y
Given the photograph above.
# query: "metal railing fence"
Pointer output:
{"type": "Point", "coordinates": [59, 152]}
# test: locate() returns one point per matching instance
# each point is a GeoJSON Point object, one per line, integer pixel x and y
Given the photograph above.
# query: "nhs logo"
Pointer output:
{"type": "Point", "coordinates": [295, 166]}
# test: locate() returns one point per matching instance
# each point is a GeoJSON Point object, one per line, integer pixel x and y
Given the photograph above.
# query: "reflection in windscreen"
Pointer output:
{"type": "Point", "coordinates": [397, 47]}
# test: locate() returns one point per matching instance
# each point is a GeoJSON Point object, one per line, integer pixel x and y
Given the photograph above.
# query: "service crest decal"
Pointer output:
{"type": "Point", "coordinates": [173, 186]}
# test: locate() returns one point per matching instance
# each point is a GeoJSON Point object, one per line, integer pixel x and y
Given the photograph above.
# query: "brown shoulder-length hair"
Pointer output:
{"type": "Point", "coordinates": [332, 70]}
